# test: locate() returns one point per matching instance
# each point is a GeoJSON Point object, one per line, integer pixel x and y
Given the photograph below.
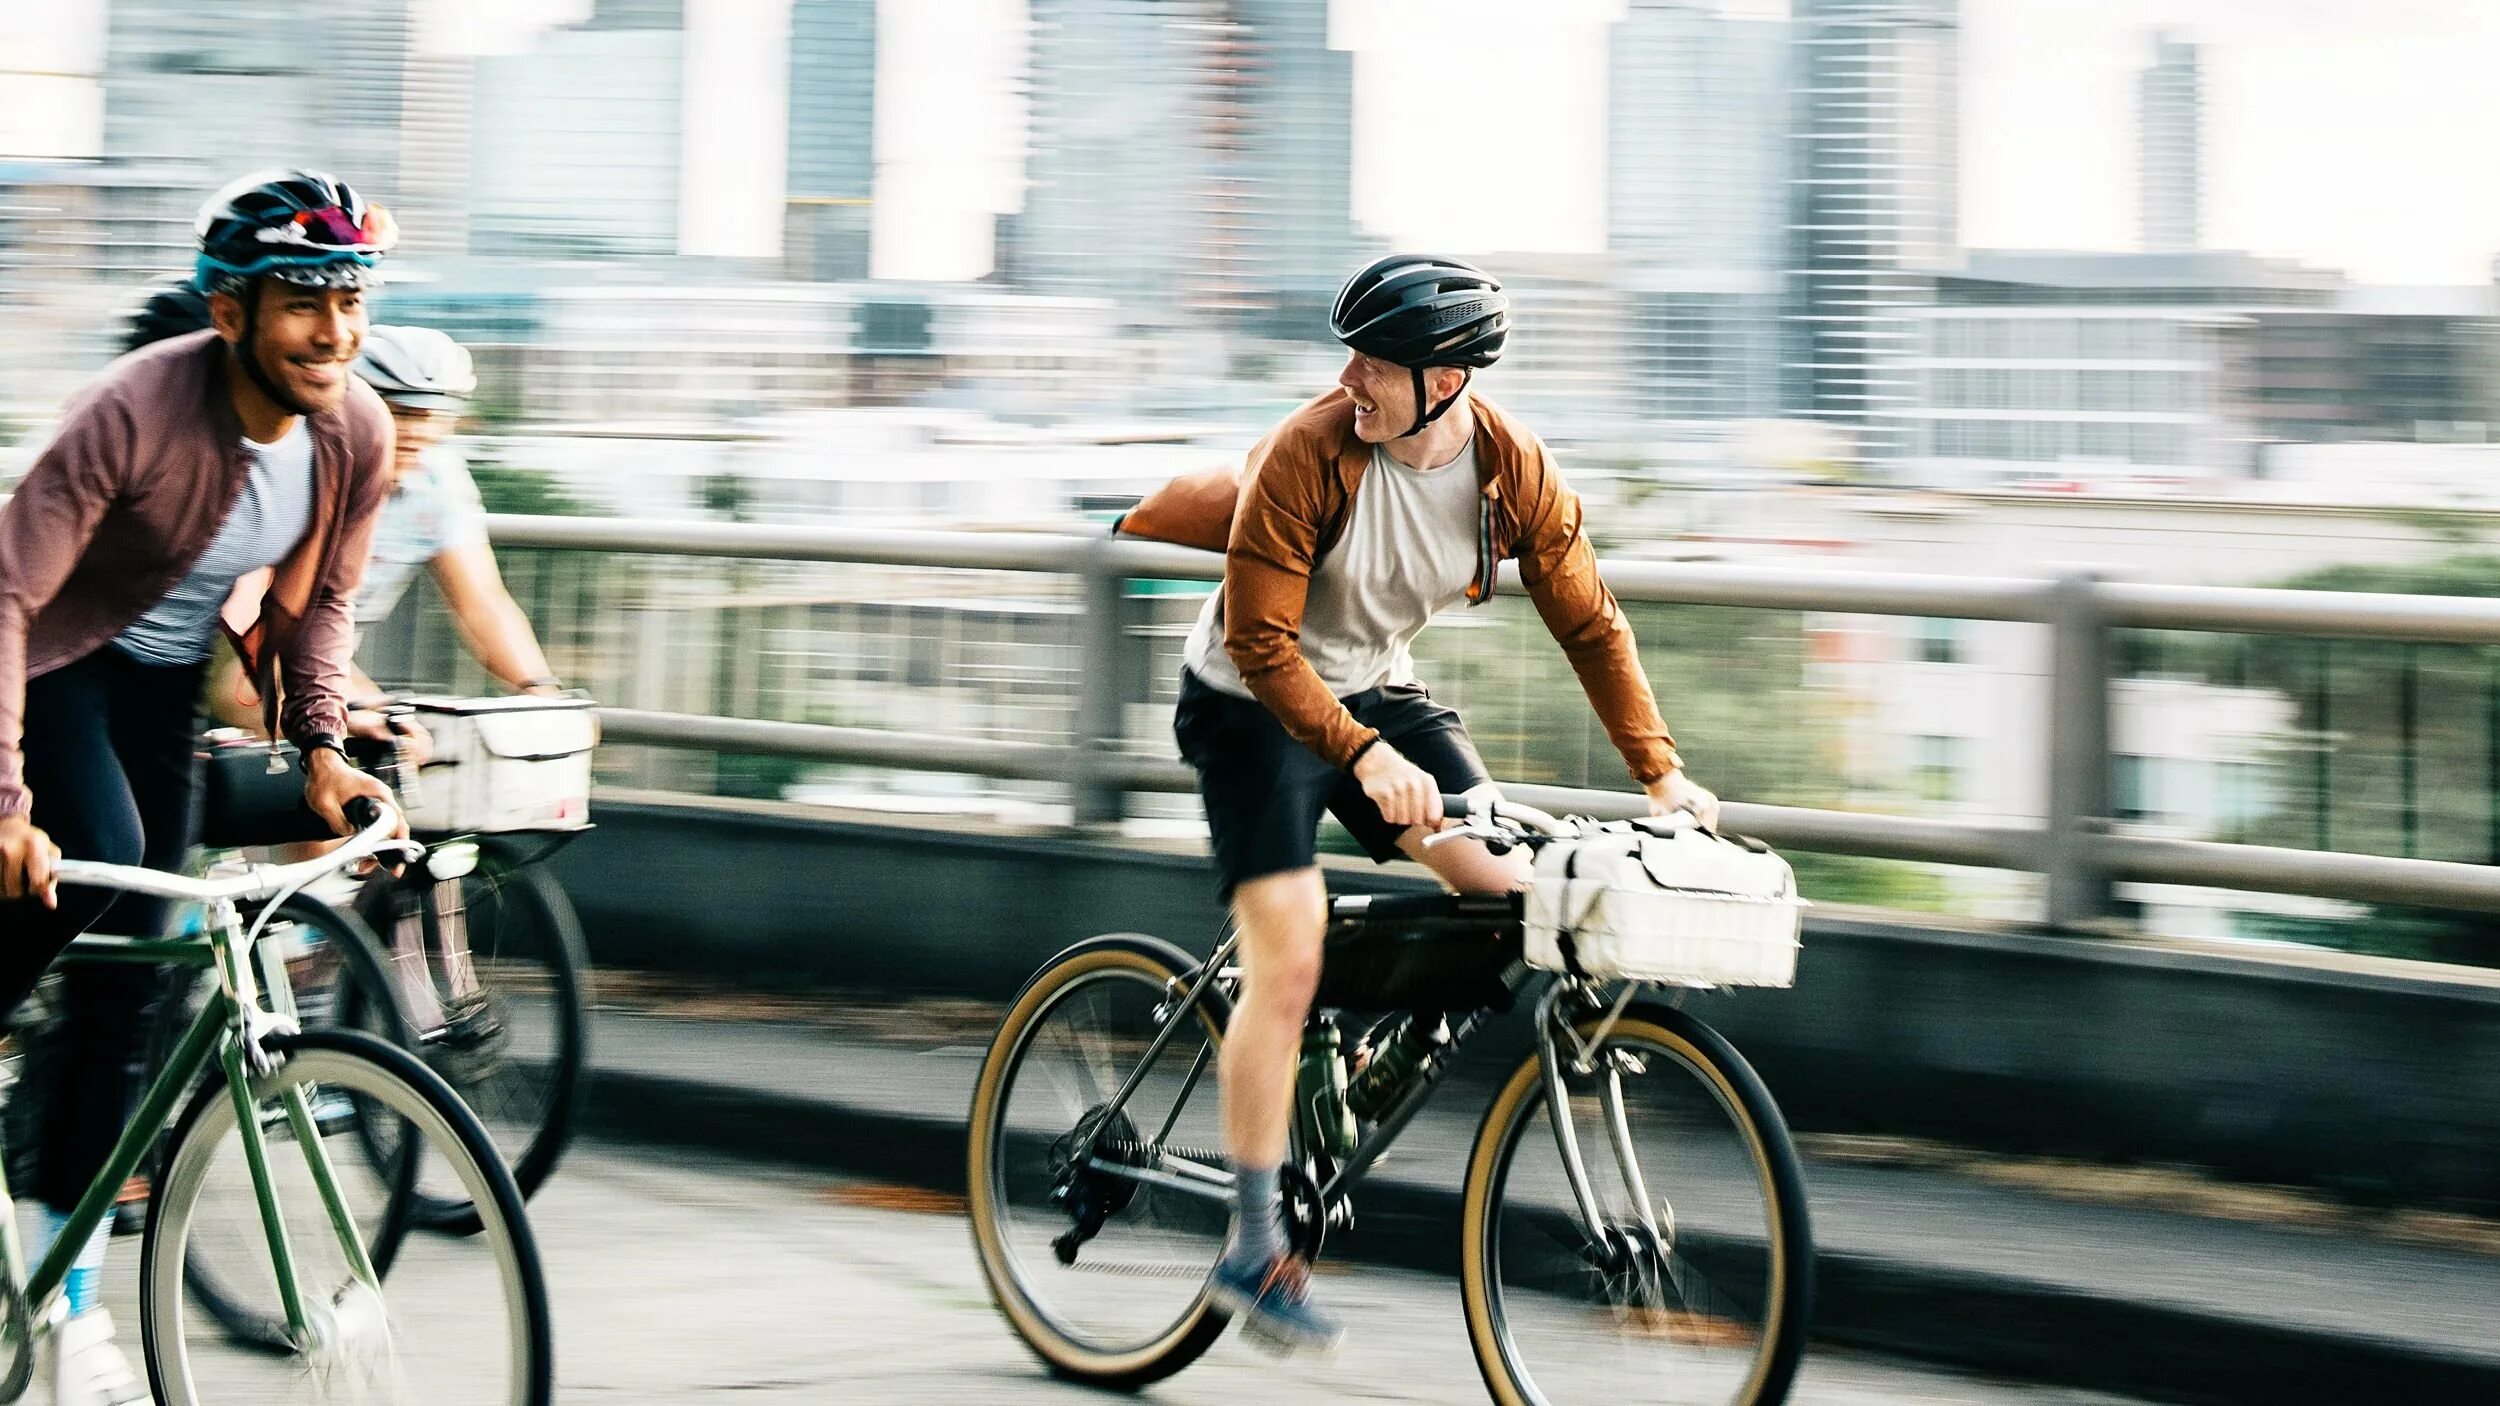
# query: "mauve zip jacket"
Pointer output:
{"type": "Point", "coordinates": [145, 466]}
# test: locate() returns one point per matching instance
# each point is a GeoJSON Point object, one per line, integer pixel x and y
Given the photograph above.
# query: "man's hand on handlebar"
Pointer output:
{"type": "Point", "coordinates": [330, 784]}
{"type": "Point", "coordinates": [1675, 791]}
{"type": "Point", "coordinates": [416, 745]}
{"type": "Point", "coordinates": [1405, 792]}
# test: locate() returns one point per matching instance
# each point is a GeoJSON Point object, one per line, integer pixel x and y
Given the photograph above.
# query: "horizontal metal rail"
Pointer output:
{"type": "Point", "coordinates": [2364, 615]}
{"type": "Point", "coordinates": [1829, 831]}
{"type": "Point", "coordinates": [2214, 609]}
{"type": "Point", "coordinates": [1100, 762]}
{"type": "Point", "coordinates": [2359, 878]}
{"type": "Point", "coordinates": [1060, 552]}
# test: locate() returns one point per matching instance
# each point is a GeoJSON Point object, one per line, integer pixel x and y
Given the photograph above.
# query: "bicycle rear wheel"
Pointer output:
{"type": "Point", "coordinates": [1694, 1289]}
{"type": "Point", "coordinates": [512, 1037]}
{"type": "Point", "coordinates": [462, 1321]}
{"type": "Point", "coordinates": [1102, 1272]}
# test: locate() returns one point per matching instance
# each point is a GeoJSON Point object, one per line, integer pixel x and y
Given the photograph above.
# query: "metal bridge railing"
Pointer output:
{"type": "Point", "coordinates": [2075, 847]}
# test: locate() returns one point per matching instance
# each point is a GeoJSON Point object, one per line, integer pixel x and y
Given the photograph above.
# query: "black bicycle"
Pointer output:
{"type": "Point", "coordinates": [472, 957]}
{"type": "Point", "coordinates": [487, 967]}
{"type": "Point", "coordinates": [1633, 1220]}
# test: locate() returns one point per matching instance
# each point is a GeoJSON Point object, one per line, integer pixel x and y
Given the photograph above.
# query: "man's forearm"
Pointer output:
{"type": "Point", "coordinates": [503, 642]}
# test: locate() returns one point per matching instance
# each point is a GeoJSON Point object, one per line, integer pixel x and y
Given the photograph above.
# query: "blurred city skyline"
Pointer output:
{"type": "Point", "coordinates": [2337, 135]}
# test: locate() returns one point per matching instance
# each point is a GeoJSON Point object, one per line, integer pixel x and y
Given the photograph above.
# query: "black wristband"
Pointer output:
{"type": "Point", "coordinates": [321, 742]}
{"type": "Point", "coordinates": [1368, 744]}
{"type": "Point", "coordinates": [544, 681]}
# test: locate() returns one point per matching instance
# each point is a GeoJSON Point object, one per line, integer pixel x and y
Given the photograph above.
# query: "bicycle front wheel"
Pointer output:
{"type": "Point", "coordinates": [1693, 1282]}
{"type": "Point", "coordinates": [335, 970]}
{"type": "Point", "coordinates": [496, 962]}
{"type": "Point", "coordinates": [1097, 1218]}
{"type": "Point", "coordinates": [459, 1320]}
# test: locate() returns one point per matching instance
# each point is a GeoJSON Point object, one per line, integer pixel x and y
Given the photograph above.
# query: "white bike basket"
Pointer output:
{"type": "Point", "coordinates": [504, 764]}
{"type": "Point", "coordinates": [1682, 907]}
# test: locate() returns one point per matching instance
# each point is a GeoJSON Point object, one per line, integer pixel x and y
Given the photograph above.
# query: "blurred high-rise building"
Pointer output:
{"type": "Point", "coordinates": [2169, 116]}
{"type": "Point", "coordinates": [79, 241]}
{"type": "Point", "coordinates": [1191, 157]}
{"type": "Point", "coordinates": [255, 83]}
{"type": "Point", "coordinates": [833, 112]}
{"type": "Point", "coordinates": [576, 140]}
{"type": "Point", "coordinates": [1118, 160]}
{"type": "Point", "coordinates": [1696, 204]}
{"type": "Point", "coordinates": [1299, 158]}
{"type": "Point", "coordinates": [1563, 364]}
{"type": "Point", "coordinates": [1874, 201]}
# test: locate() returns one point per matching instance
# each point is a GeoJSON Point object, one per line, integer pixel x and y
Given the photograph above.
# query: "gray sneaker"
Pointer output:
{"type": "Point", "coordinates": [1273, 1302]}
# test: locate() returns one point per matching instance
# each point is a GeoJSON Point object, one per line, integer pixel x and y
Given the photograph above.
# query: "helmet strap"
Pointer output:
{"type": "Point", "coordinates": [249, 354]}
{"type": "Point", "coordinates": [1426, 417]}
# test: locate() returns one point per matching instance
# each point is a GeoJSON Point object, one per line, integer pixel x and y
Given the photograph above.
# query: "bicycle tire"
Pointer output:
{"type": "Point", "coordinates": [554, 940]}
{"type": "Point", "coordinates": [380, 1074]}
{"type": "Point", "coordinates": [361, 974]}
{"type": "Point", "coordinates": [1773, 1160]}
{"type": "Point", "coordinates": [17, 1340]}
{"type": "Point", "coordinates": [1200, 1323]}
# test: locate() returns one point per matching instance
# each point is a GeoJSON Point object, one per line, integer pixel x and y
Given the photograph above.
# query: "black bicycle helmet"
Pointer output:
{"type": "Point", "coordinates": [301, 227]}
{"type": "Point", "coordinates": [173, 307]}
{"type": "Point", "coordinates": [1420, 311]}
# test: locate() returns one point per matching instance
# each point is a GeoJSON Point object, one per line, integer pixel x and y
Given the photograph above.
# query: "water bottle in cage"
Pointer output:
{"type": "Point", "coordinates": [1320, 1092]}
{"type": "Point", "coordinates": [1398, 1053]}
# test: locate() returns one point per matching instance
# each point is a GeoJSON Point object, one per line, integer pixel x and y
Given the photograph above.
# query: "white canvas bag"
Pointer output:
{"type": "Point", "coordinates": [1653, 901]}
{"type": "Point", "coordinates": [500, 764]}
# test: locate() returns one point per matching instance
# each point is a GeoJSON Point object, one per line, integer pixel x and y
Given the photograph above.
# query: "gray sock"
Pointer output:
{"type": "Point", "coordinates": [1258, 1222]}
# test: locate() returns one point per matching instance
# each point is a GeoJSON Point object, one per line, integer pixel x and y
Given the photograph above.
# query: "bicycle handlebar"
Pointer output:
{"type": "Point", "coordinates": [1503, 821]}
{"type": "Point", "coordinates": [258, 881]}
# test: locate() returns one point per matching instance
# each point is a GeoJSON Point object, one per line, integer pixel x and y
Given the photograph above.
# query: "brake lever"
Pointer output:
{"type": "Point", "coordinates": [1495, 838]}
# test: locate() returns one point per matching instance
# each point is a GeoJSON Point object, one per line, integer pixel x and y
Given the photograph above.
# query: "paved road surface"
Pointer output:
{"type": "Point", "coordinates": [681, 1280]}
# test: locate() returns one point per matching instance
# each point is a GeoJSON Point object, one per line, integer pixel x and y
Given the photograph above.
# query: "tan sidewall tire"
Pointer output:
{"type": "Point", "coordinates": [1197, 1328]}
{"type": "Point", "coordinates": [1656, 1025]}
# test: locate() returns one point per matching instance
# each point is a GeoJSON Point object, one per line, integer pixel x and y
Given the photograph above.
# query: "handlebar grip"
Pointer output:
{"type": "Point", "coordinates": [1456, 807]}
{"type": "Point", "coordinates": [361, 811]}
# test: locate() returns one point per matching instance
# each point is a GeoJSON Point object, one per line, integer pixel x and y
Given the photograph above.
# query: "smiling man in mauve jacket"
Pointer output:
{"type": "Point", "coordinates": [226, 480]}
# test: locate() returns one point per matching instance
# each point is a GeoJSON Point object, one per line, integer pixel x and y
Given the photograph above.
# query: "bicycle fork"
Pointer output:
{"type": "Point", "coordinates": [241, 1057]}
{"type": "Point", "coordinates": [1588, 1059]}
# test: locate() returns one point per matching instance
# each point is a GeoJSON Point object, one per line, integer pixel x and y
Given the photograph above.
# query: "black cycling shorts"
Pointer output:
{"type": "Point", "coordinates": [1265, 792]}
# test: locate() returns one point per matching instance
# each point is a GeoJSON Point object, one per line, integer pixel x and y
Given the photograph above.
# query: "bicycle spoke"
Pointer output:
{"type": "Point", "coordinates": [1106, 1235]}
{"type": "Point", "coordinates": [453, 1321]}
{"type": "Point", "coordinates": [1656, 1299]}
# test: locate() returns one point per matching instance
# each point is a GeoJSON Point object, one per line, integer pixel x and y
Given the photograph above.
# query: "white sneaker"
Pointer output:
{"type": "Point", "coordinates": [89, 1369]}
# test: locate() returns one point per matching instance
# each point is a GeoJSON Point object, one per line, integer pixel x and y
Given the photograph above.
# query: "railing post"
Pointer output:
{"type": "Point", "coordinates": [2079, 888]}
{"type": "Point", "coordinates": [1113, 656]}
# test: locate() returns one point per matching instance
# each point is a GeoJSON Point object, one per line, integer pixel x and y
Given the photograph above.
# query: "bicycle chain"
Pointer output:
{"type": "Point", "coordinates": [1148, 1153]}
{"type": "Point", "coordinates": [1143, 1271]}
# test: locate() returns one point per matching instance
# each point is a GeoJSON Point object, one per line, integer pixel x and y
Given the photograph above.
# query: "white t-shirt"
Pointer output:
{"type": "Point", "coordinates": [1408, 552]}
{"type": "Point", "coordinates": [434, 509]}
{"type": "Point", "coordinates": [266, 522]}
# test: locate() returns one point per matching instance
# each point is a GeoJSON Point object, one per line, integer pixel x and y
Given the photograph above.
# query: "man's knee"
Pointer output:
{"type": "Point", "coordinates": [1282, 918]}
{"type": "Point", "coordinates": [1468, 867]}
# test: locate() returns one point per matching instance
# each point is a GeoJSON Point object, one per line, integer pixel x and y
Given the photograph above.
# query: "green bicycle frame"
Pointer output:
{"type": "Point", "coordinates": [216, 1035]}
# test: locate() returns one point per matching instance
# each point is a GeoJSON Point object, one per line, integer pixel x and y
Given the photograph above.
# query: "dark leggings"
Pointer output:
{"type": "Point", "coordinates": [108, 750]}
